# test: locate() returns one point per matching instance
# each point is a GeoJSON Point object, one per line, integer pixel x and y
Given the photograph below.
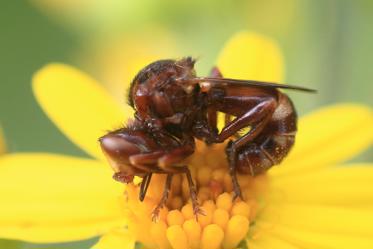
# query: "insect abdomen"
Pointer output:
{"type": "Point", "coordinates": [274, 143]}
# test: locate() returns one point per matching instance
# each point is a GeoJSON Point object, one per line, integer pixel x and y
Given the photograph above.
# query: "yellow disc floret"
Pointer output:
{"type": "Point", "coordinates": [223, 224]}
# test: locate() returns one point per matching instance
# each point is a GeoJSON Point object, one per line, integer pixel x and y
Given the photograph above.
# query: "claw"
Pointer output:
{"type": "Point", "coordinates": [237, 190]}
{"type": "Point", "coordinates": [155, 214]}
{"type": "Point", "coordinates": [197, 210]}
{"type": "Point", "coordinates": [157, 209]}
{"type": "Point", "coordinates": [237, 194]}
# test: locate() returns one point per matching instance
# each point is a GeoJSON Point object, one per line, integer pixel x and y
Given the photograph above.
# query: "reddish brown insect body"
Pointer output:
{"type": "Point", "coordinates": [174, 106]}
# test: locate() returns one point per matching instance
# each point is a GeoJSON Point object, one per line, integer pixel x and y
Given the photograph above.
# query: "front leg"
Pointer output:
{"type": "Point", "coordinates": [162, 202]}
{"type": "Point", "coordinates": [144, 186]}
{"type": "Point", "coordinates": [193, 194]}
{"type": "Point", "coordinates": [204, 127]}
{"type": "Point", "coordinates": [202, 131]}
{"type": "Point", "coordinates": [175, 156]}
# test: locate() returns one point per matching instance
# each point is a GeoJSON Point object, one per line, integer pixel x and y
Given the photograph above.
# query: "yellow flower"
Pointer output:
{"type": "Point", "coordinates": [309, 201]}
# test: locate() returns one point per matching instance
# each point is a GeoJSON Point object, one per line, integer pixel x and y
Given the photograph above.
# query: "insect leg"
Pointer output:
{"type": "Point", "coordinates": [193, 194]}
{"type": "Point", "coordinates": [231, 156]}
{"type": "Point", "coordinates": [143, 160]}
{"type": "Point", "coordinates": [144, 186]}
{"type": "Point", "coordinates": [205, 125]}
{"type": "Point", "coordinates": [166, 191]}
{"type": "Point", "coordinates": [212, 117]}
{"type": "Point", "coordinates": [251, 117]}
{"type": "Point", "coordinates": [233, 147]}
{"type": "Point", "coordinates": [146, 158]}
{"type": "Point", "coordinates": [175, 156]}
{"type": "Point", "coordinates": [227, 119]}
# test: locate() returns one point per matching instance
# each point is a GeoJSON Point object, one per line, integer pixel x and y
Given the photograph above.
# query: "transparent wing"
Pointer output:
{"type": "Point", "coordinates": [253, 83]}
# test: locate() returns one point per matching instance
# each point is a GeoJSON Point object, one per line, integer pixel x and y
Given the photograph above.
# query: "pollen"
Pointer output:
{"type": "Point", "coordinates": [224, 222]}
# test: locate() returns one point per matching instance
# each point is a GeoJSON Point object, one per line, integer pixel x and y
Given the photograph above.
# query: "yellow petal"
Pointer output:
{"type": "Point", "coordinates": [251, 56]}
{"type": "Point", "coordinates": [2, 142]}
{"type": "Point", "coordinates": [51, 198]}
{"type": "Point", "coordinates": [118, 239]}
{"type": "Point", "coordinates": [309, 239]}
{"type": "Point", "coordinates": [78, 105]}
{"type": "Point", "coordinates": [344, 186]}
{"type": "Point", "coordinates": [321, 219]}
{"type": "Point", "coordinates": [269, 241]}
{"type": "Point", "coordinates": [328, 136]}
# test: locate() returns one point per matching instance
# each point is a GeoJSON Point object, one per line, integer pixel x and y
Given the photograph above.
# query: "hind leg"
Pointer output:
{"type": "Point", "coordinates": [253, 160]}
{"type": "Point", "coordinates": [233, 149]}
{"type": "Point", "coordinates": [231, 155]}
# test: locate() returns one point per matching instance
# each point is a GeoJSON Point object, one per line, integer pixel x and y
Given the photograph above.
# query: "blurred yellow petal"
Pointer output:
{"type": "Point", "coordinates": [251, 56]}
{"type": "Point", "coordinates": [51, 198]}
{"type": "Point", "coordinates": [319, 240]}
{"type": "Point", "coordinates": [78, 105]}
{"type": "Point", "coordinates": [321, 219]}
{"type": "Point", "coordinates": [118, 239]}
{"type": "Point", "coordinates": [2, 142]}
{"type": "Point", "coordinates": [56, 233]}
{"type": "Point", "coordinates": [344, 186]}
{"type": "Point", "coordinates": [270, 241]}
{"type": "Point", "coordinates": [328, 136]}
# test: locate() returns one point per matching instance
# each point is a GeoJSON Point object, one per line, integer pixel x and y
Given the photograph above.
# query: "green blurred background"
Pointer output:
{"type": "Point", "coordinates": [327, 45]}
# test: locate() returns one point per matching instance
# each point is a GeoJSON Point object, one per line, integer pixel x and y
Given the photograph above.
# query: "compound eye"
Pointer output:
{"type": "Point", "coordinates": [117, 150]}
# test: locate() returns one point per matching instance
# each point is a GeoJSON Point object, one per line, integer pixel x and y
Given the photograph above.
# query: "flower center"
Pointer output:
{"type": "Point", "coordinates": [225, 223]}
